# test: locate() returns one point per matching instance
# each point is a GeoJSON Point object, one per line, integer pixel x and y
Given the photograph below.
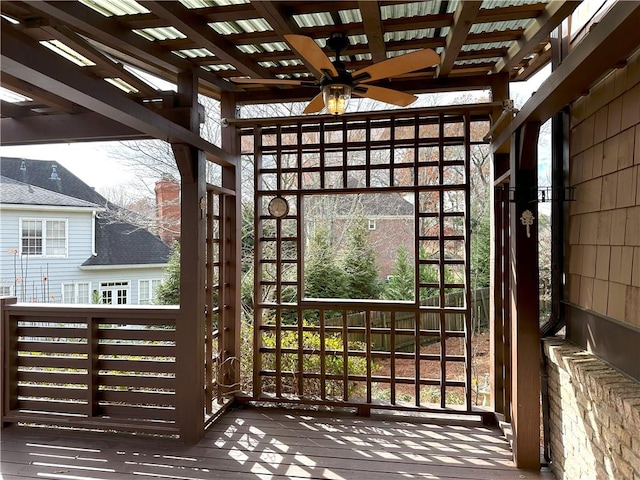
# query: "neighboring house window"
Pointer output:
{"type": "Point", "coordinates": [5, 290]}
{"type": "Point", "coordinates": [76, 292]}
{"type": "Point", "coordinates": [45, 238]}
{"type": "Point", "coordinates": [147, 291]}
{"type": "Point", "coordinates": [372, 224]}
{"type": "Point", "coordinates": [114, 293]}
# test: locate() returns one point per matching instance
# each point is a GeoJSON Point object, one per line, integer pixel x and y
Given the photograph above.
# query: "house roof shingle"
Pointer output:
{"type": "Point", "coordinates": [117, 242]}
{"type": "Point", "coordinates": [14, 192]}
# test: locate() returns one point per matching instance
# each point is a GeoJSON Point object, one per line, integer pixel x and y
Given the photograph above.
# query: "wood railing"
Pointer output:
{"type": "Point", "coordinates": [90, 366]}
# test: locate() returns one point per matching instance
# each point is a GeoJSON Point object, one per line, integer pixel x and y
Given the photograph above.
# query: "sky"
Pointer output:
{"type": "Point", "coordinates": [92, 164]}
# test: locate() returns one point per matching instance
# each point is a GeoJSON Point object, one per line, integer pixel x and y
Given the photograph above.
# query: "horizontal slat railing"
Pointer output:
{"type": "Point", "coordinates": [90, 366]}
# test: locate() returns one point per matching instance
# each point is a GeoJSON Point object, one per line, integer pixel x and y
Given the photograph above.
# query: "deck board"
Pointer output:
{"type": "Point", "coordinates": [268, 443]}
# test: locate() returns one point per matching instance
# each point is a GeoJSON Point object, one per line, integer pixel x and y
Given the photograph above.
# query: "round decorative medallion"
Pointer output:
{"type": "Point", "coordinates": [278, 207]}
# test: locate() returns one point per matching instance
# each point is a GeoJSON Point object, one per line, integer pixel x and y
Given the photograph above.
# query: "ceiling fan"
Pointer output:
{"type": "Point", "coordinates": [337, 84]}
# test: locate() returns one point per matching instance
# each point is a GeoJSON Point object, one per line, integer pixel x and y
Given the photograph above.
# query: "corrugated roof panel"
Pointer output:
{"type": "Point", "coordinates": [194, 53]}
{"type": "Point", "coordinates": [363, 57]}
{"type": "Point", "coordinates": [404, 10]}
{"type": "Point", "coordinates": [358, 40]}
{"type": "Point", "coordinates": [290, 63]}
{"type": "Point", "coordinates": [484, 46]}
{"type": "Point", "coordinates": [13, 97]}
{"type": "Point", "coordinates": [109, 8]}
{"type": "Point", "coordinates": [313, 19]}
{"type": "Point", "coordinates": [211, 3]}
{"type": "Point", "coordinates": [499, 26]}
{"type": "Point", "coordinates": [509, 3]}
{"type": "Point", "coordinates": [254, 25]}
{"type": "Point", "coordinates": [350, 16]}
{"type": "Point", "coordinates": [268, 64]}
{"type": "Point", "coordinates": [418, 34]}
{"type": "Point", "coordinates": [219, 67]}
{"type": "Point", "coordinates": [225, 28]}
{"type": "Point", "coordinates": [67, 52]}
{"type": "Point", "coordinates": [160, 33]}
{"type": "Point", "coordinates": [275, 47]}
{"type": "Point", "coordinates": [248, 49]}
{"type": "Point", "coordinates": [476, 61]}
{"type": "Point", "coordinates": [397, 53]}
{"type": "Point", "coordinates": [122, 85]}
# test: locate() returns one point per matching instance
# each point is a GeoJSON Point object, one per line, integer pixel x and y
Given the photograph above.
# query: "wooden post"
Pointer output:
{"type": "Point", "coordinates": [8, 357]}
{"type": "Point", "coordinates": [231, 308]}
{"type": "Point", "coordinates": [498, 275]}
{"type": "Point", "coordinates": [190, 328]}
{"type": "Point", "coordinates": [525, 326]}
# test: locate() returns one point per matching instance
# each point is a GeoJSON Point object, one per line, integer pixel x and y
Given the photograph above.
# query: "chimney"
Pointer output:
{"type": "Point", "coordinates": [168, 209]}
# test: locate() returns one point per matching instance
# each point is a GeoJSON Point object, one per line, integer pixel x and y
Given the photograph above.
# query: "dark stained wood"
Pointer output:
{"type": "Point", "coordinates": [524, 293]}
{"type": "Point", "coordinates": [536, 33]}
{"type": "Point", "coordinates": [608, 43]}
{"type": "Point", "coordinates": [21, 57]}
{"type": "Point", "coordinates": [372, 21]}
{"type": "Point", "coordinates": [463, 19]}
{"type": "Point", "coordinates": [277, 444]}
{"type": "Point", "coordinates": [77, 127]}
{"type": "Point", "coordinates": [231, 218]}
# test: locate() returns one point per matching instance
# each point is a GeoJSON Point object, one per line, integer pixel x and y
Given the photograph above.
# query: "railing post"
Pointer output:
{"type": "Point", "coordinates": [92, 367]}
{"type": "Point", "coordinates": [8, 356]}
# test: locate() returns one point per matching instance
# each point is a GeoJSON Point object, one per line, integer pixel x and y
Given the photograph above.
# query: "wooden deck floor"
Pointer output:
{"type": "Point", "coordinates": [261, 443]}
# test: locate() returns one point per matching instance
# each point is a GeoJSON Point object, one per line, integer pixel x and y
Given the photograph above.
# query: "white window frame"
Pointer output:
{"type": "Point", "coordinates": [154, 283]}
{"type": "Point", "coordinates": [76, 292]}
{"type": "Point", "coordinates": [113, 287]}
{"type": "Point", "coordinates": [372, 224]}
{"type": "Point", "coordinates": [43, 224]}
{"type": "Point", "coordinates": [5, 289]}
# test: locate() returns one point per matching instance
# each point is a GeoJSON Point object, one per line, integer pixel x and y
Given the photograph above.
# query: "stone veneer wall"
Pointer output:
{"type": "Point", "coordinates": [594, 416]}
{"type": "Point", "coordinates": [595, 409]}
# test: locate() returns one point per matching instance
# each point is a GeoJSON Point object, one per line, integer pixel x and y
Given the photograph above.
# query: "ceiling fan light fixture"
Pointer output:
{"type": "Point", "coordinates": [336, 97]}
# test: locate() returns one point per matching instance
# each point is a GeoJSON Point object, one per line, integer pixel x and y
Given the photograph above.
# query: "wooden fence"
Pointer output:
{"type": "Point", "coordinates": [428, 321]}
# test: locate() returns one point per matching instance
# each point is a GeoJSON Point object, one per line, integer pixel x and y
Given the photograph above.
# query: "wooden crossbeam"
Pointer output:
{"type": "Point", "coordinates": [463, 18]}
{"type": "Point", "coordinates": [23, 58]}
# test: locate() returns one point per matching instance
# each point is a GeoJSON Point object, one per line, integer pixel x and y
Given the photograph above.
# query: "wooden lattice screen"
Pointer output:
{"type": "Point", "coordinates": [354, 352]}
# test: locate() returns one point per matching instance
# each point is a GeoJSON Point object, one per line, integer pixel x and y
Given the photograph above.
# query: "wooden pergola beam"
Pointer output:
{"type": "Point", "coordinates": [77, 127]}
{"type": "Point", "coordinates": [138, 51]}
{"type": "Point", "coordinates": [463, 18]}
{"type": "Point", "coordinates": [283, 24]}
{"type": "Point", "coordinates": [37, 94]}
{"type": "Point", "coordinates": [372, 20]}
{"type": "Point", "coordinates": [545, 23]}
{"type": "Point", "coordinates": [192, 26]}
{"type": "Point", "coordinates": [23, 58]}
{"type": "Point", "coordinates": [612, 40]}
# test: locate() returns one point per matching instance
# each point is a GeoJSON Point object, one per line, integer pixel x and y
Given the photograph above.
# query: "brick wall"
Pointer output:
{"type": "Point", "coordinates": [594, 416]}
{"type": "Point", "coordinates": [604, 222]}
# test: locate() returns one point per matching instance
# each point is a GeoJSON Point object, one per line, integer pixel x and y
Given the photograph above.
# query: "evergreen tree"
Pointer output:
{"type": "Point", "coordinates": [359, 263]}
{"type": "Point", "coordinates": [402, 282]}
{"type": "Point", "coordinates": [324, 277]}
{"type": "Point", "coordinates": [168, 293]}
{"type": "Point", "coordinates": [481, 250]}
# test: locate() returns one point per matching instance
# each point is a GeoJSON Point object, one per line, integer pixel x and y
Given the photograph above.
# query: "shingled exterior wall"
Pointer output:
{"type": "Point", "coordinates": [594, 416]}
{"type": "Point", "coordinates": [594, 407]}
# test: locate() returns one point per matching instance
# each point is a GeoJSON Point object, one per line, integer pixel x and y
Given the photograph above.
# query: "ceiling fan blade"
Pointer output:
{"type": "Point", "coordinates": [315, 105]}
{"type": "Point", "coordinates": [267, 81]}
{"type": "Point", "coordinates": [395, 66]}
{"type": "Point", "coordinates": [387, 95]}
{"type": "Point", "coordinates": [311, 52]}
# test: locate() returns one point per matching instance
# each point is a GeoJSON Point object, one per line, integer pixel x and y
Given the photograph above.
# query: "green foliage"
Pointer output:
{"type": "Point", "coordinates": [402, 283]}
{"type": "Point", "coordinates": [311, 363]}
{"type": "Point", "coordinates": [168, 293]}
{"type": "Point", "coordinates": [481, 250]}
{"type": "Point", "coordinates": [359, 263]}
{"type": "Point", "coordinates": [324, 277]}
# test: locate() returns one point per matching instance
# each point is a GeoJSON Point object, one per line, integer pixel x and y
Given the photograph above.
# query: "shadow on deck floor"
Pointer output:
{"type": "Point", "coordinates": [268, 443]}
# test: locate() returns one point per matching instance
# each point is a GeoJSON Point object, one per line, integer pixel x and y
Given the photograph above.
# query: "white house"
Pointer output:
{"type": "Point", "coordinates": [60, 243]}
